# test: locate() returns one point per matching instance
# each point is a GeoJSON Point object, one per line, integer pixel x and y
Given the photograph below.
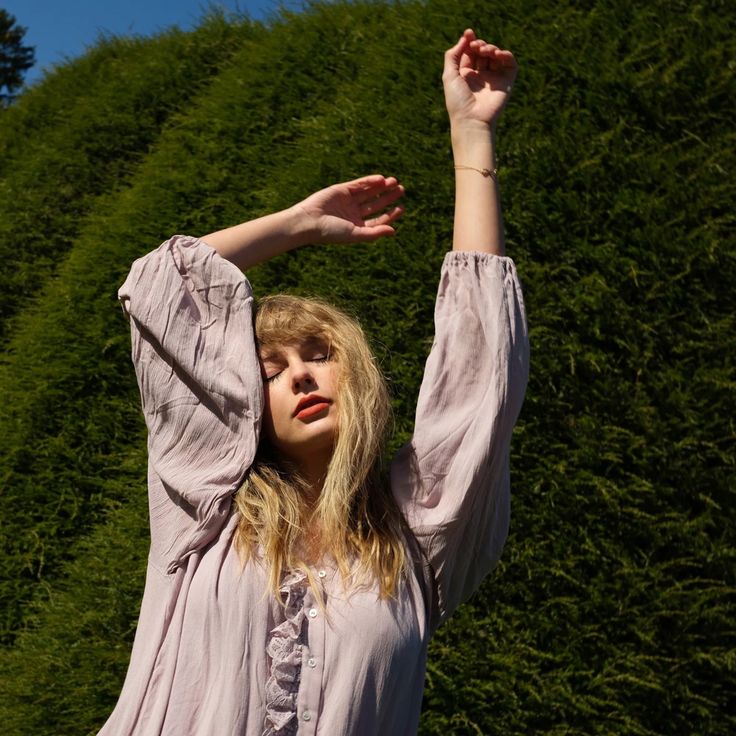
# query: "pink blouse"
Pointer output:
{"type": "Point", "coordinates": [215, 654]}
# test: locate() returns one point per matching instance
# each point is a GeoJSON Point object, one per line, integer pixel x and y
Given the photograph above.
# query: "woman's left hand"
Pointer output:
{"type": "Point", "coordinates": [354, 211]}
{"type": "Point", "coordinates": [477, 78]}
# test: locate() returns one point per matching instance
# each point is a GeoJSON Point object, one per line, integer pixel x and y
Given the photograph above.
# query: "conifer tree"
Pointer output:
{"type": "Point", "coordinates": [15, 58]}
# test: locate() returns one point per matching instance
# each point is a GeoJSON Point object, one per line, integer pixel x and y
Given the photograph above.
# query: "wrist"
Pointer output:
{"type": "Point", "coordinates": [471, 131]}
{"type": "Point", "coordinates": [301, 228]}
{"type": "Point", "coordinates": [474, 147]}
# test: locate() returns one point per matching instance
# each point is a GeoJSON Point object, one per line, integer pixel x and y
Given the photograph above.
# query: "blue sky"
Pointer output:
{"type": "Point", "coordinates": [62, 29]}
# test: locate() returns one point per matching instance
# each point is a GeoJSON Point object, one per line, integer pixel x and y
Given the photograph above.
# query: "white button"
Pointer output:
{"type": "Point", "coordinates": [312, 613]}
{"type": "Point", "coordinates": [312, 662]}
{"type": "Point", "coordinates": [322, 573]}
{"type": "Point", "coordinates": [306, 716]}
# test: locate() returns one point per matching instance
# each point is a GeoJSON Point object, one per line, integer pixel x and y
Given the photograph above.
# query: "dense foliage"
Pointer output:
{"type": "Point", "coordinates": [613, 608]}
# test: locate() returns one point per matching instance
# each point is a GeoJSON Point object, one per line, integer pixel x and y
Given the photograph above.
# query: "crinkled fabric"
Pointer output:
{"type": "Point", "coordinates": [214, 653]}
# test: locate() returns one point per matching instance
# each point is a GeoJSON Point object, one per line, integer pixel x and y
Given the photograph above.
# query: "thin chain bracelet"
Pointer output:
{"type": "Point", "coordinates": [493, 173]}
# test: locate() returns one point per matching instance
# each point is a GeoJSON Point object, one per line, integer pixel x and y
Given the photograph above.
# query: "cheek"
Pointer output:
{"type": "Point", "coordinates": [335, 390]}
{"type": "Point", "coordinates": [333, 376]}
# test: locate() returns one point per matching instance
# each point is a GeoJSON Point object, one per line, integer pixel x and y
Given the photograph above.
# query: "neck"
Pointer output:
{"type": "Point", "coordinates": [313, 468]}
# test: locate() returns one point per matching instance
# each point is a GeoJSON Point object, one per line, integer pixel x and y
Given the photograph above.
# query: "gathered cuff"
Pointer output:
{"type": "Point", "coordinates": [472, 257]}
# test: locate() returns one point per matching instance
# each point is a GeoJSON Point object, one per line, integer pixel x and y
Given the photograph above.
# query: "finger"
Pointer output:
{"type": "Point", "coordinates": [506, 58]}
{"type": "Point", "coordinates": [507, 66]}
{"type": "Point", "coordinates": [484, 51]}
{"type": "Point", "coordinates": [467, 60]}
{"type": "Point", "coordinates": [494, 52]}
{"type": "Point", "coordinates": [385, 219]}
{"type": "Point", "coordinates": [368, 234]}
{"type": "Point", "coordinates": [370, 194]}
{"type": "Point", "coordinates": [488, 50]}
{"type": "Point", "coordinates": [454, 55]}
{"type": "Point", "coordinates": [483, 46]}
{"type": "Point", "coordinates": [364, 183]}
{"type": "Point", "coordinates": [379, 203]}
{"type": "Point", "coordinates": [367, 188]}
{"type": "Point", "coordinates": [498, 58]}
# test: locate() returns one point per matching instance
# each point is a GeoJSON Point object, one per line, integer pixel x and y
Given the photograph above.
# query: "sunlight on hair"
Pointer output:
{"type": "Point", "coordinates": [355, 520]}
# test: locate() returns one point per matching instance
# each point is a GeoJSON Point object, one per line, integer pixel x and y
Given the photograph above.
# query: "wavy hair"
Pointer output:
{"type": "Point", "coordinates": [358, 521]}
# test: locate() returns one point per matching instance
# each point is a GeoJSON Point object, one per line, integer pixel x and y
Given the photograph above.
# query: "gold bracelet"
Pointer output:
{"type": "Point", "coordinates": [484, 172]}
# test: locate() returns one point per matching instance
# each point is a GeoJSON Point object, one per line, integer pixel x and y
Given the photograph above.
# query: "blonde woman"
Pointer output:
{"type": "Point", "coordinates": [292, 587]}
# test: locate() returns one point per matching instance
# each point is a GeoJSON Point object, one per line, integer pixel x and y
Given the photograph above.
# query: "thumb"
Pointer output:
{"type": "Point", "coordinates": [454, 55]}
{"type": "Point", "coordinates": [369, 234]}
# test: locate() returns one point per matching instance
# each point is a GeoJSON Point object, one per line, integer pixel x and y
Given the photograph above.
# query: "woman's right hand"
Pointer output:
{"type": "Point", "coordinates": [354, 211]}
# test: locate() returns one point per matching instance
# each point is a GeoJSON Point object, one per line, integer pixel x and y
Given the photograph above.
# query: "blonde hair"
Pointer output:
{"type": "Point", "coordinates": [356, 517]}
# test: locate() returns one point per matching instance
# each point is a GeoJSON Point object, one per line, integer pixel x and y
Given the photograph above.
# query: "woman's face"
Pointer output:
{"type": "Point", "coordinates": [300, 389]}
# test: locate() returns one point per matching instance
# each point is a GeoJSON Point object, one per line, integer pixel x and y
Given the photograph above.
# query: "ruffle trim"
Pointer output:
{"type": "Point", "coordinates": [285, 645]}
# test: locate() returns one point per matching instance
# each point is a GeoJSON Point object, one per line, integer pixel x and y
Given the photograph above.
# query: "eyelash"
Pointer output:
{"type": "Point", "coordinates": [321, 359]}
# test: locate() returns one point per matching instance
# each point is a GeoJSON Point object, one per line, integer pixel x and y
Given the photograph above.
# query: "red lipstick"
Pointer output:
{"type": "Point", "coordinates": [311, 405]}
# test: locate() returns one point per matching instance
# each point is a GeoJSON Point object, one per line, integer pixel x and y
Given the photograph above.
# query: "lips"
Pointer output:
{"type": "Point", "coordinates": [310, 405]}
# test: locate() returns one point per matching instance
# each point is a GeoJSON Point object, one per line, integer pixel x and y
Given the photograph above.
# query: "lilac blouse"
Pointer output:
{"type": "Point", "coordinates": [215, 654]}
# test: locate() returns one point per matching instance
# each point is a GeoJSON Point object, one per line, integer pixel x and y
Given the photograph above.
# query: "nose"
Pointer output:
{"type": "Point", "coordinates": [301, 376]}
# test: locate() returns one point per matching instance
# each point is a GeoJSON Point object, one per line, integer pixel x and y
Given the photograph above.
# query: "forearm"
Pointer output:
{"type": "Point", "coordinates": [478, 223]}
{"type": "Point", "coordinates": [350, 212]}
{"type": "Point", "coordinates": [258, 240]}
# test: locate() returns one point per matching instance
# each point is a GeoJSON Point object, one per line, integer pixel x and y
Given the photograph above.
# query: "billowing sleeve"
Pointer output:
{"type": "Point", "coordinates": [452, 479]}
{"type": "Point", "coordinates": [190, 314]}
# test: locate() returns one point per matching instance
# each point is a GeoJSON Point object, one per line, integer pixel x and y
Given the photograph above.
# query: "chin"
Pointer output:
{"type": "Point", "coordinates": [305, 446]}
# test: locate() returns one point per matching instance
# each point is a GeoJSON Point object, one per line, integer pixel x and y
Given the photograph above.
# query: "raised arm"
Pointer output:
{"type": "Point", "coordinates": [477, 80]}
{"type": "Point", "coordinates": [351, 212]}
{"type": "Point", "coordinates": [452, 480]}
{"type": "Point", "coordinates": [191, 319]}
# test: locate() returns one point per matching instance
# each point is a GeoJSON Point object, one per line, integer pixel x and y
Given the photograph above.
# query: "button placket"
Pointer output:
{"type": "Point", "coordinates": [310, 690]}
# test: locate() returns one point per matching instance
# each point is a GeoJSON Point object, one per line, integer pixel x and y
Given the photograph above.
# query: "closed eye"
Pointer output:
{"type": "Point", "coordinates": [271, 369]}
{"type": "Point", "coordinates": [273, 365]}
{"type": "Point", "coordinates": [317, 359]}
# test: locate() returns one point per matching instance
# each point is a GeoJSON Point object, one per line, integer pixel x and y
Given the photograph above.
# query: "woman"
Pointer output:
{"type": "Point", "coordinates": [289, 588]}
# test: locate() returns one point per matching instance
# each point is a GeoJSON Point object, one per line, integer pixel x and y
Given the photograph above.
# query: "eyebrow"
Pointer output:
{"type": "Point", "coordinates": [268, 356]}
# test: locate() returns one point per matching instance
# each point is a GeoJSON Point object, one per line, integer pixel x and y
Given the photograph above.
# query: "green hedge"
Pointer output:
{"type": "Point", "coordinates": [83, 132]}
{"type": "Point", "coordinates": [612, 609]}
